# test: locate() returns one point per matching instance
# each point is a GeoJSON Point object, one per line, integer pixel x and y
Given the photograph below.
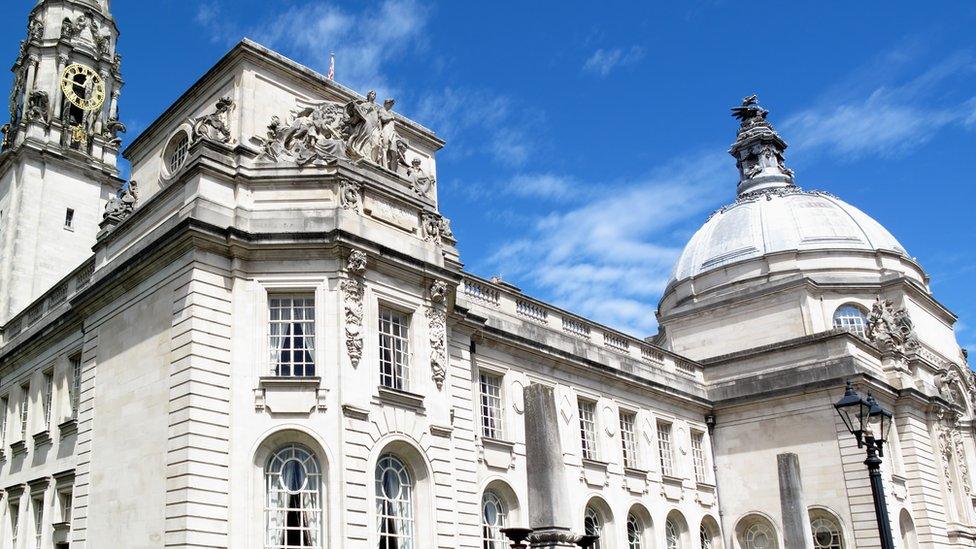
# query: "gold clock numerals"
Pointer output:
{"type": "Point", "coordinates": [83, 87]}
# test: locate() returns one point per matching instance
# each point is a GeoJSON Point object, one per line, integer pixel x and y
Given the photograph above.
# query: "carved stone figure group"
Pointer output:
{"type": "Point", "coordinates": [360, 129]}
{"type": "Point", "coordinates": [891, 329]}
{"type": "Point", "coordinates": [215, 126]}
{"type": "Point", "coordinates": [122, 204]}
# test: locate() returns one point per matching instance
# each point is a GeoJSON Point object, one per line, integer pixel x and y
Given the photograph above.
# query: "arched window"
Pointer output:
{"type": "Point", "coordinates": [706, 537]}
{"type": "Point", "coordinates": [635, 532]}
{"type": "Point", "coordinates": [394, 504]}
{"type": "Point", "coordinates": [826, 534]}
{"type": "Point", "coordinates": [759, 536]}
{"type": "Point", "coordinates": [493, 515]}
{"type": "Point", "coordinates": [672, 534]}
{"type": "Point", "coordinates": [593, 526]}
{"type": "Point", "coordinates": [851, 318]}
{"type": "Point", "coordinates": [907, 527]}
{"type": "Point", "coordinates": [294, 499]}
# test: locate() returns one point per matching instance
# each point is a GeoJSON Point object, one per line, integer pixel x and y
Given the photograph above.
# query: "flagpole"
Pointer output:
{"type": "Point", "coordinates": [331, 65]}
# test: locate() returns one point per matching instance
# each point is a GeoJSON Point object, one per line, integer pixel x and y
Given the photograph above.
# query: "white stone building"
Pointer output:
{"type": "Point", "coordinates": [270, 340]}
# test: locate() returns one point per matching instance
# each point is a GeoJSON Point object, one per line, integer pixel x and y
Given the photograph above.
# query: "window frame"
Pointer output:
{"type": "Point", "coordinates": [275, 475]}
{"type": "Point", "coordinates": [25, 411]}
{"type": "Point", "coordinates": [699, 457]}
{"type": "Point", "coordinates": [47, 402]}
{"type": "Point", "coordinates": [491, 406]}
{"type": "Point", "coordinates": [399, 377]}
{"type": "Point", "coordinates": [845, 321]}
{"type": "Point", "coordinates": [665, 447]}
{"type": "Point", "coordinates": [593, 516]}
{"type": "Point", "coordinates": [4, 418]}
{"type": "Point", "coordinates": [635, 526]}
{"type": "Point", "coordinates": [405, 507]}
{"type": "Point", "coordinates": [588, 429]}
{"type": "Point", "coordinates": [75, 372]}
{"type": "Point", "coordinates": [491, 536]}
{"type": "Point", "coordinates": [628, 438]}
{"type": "Point", "coordinates": [274, 365]}
{"type": "Point", "coordinates": [37, 514]}
{"type": "Point", "coordinates": [672, 534]}
{"type": "Point", "coordinates": [69, 219]}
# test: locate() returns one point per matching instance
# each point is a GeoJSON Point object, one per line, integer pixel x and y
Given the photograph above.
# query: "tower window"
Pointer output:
{"type": "Point", "coordinates": [69, 219]}
{"type": "Point", "coordinates": [394, 349]}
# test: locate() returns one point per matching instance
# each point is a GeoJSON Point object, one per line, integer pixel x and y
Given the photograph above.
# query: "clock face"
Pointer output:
{"type": "Point", "coordinates": [83, 87]}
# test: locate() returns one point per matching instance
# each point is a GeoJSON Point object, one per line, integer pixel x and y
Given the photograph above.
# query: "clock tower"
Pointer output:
{"type": "Point", "coordinates": [58, 161]}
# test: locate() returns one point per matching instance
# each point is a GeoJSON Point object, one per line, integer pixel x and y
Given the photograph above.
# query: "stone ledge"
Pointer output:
{"type": "Point", "coordinates": [41, 438]}
{"type": "Point", "coordinates": [402, 399]}
{"type": "Point", "coordinates": [290, 395]}
{"type": "Point", "coordinates": [18, 447]}
{"type": "Point", "coordinates": [68, 427]}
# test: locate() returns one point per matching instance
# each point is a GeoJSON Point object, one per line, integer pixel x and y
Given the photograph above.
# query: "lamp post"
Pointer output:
{"type": "Point", "coordinates": [870, 425]}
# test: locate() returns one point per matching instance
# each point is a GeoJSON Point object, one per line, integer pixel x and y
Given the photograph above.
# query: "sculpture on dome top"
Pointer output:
{"type": "Point", "coordinates": [758, 149]}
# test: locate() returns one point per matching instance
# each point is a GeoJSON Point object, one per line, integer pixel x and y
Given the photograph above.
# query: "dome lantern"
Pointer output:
{"type": "Point", "coordinates": [758, 150]}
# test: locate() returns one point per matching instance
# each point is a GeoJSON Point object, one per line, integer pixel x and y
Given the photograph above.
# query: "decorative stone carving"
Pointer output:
{"type": "Point", "coordinates": [103, 44]}
{"type": "Point", "coordinates": [438, 291]}
{"type": "Point", "coordinates": [111, 132]}
{"type": "Point", "coordinates": [35, 29]}
{"type": "Point", "coordinates": [117, 66]}
{"type": "Point", "coordinates": [437, 331]}
{"type": "Point", "coordinates": [215, 126]}
{"type": "Point", "coordinates": [890, 329]}
{"type": "Point", "coordinates": [7, 137]}
{"type": "Point", "coordinates": [328, 131]}
{"type": "Point", "coordinates": [948, 384]}
{"type": "Point", "coordinates": [350, 195]}
{"type": "Point", "coordinates": [430, 226]}
{"type": "Point", "coordinates": [357, 263]}
{"type": "Point", "coordinates": [421, 182]}
{"type": "Point", "coordinates": [353, 289]}
{"type": "Point", "coordinates": [953, 450]}
{"type": "Point", "coordinates": [16, 90]}
{"type": "Point", "coordinates": [38, 107]}
{"type": "Point", "coordinates": [119, 207]}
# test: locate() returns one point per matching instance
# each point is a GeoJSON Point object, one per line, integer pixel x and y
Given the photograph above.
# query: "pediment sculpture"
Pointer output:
{"type": "Point", "coordinates": [326, 131]}
{"type": "Point", "coordinates": [891, 329]}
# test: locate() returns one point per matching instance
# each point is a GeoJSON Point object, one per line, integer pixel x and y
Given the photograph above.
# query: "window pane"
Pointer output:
{"type": "Point", "coordinates": [698, 453]}
{"type": "Point", "coordinates": [664, 448]}
{"type": "Point", "coordinates": [394, 504]}
{"type": "Point", "coordinates": [291, 335]}
{"type": "Point", "coordinates": [852, 319]}
{"type": "Point", "coordinates": [394, 349]}
{"type": "Point", "coordinates": [491, 405]}
{"type": "Point", "coordinates": [587, 418]}
{"type": "Point", "coordinates": [628, 441]}
{"type": "Point", "coordinates": [493, 519]}
{"type": "Point", "coordinates": [293, 508]}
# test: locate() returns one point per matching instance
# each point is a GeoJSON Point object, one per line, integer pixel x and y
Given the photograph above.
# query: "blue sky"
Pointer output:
{"type": "Point", "coordinates": [586, 141]}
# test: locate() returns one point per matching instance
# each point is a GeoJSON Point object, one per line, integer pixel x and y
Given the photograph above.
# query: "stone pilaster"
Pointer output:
{"type": "Point", "coordinates": [796, 522]}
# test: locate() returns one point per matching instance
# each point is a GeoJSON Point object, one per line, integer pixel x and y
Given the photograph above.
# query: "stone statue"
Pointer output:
{"type": "Point", "coordinates": [314, 133]}
{"type": "Point", "coordinates": [750, 112]}
{"type": "Point", "coordinates": [38, 107]}
{"type": "Point", "coordinates": [68, 30]}
{"type": "Point", "coordinates": [15, 93]}
{"type": "Point", "coordinates": [946, 382]}
{"type": "Point", "coordinates": [90, 117]}
{"type": "Point", "coordinates": [365, 129]}
{"type": "Point", "coordinates": [117, 66]}
{"type": "Point", "coordinates": [103, 44]}
{"type": "Point", "coordinates": [7, 137]}
{"type": "Point", "coordinates": [35, 29]}
{"type": "Point", "coordinates": [391, 140]}
{"type": "Point", "coordinates": [122, 204]}
{"type": "Point", "coordinates": [422, 182]}
{"type": "Point", "coordinates": [215, 126]}
{"type": "Point", "coordinates": [112, 130]}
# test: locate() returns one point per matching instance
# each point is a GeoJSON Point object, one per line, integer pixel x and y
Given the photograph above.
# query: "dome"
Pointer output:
{"type": "Point", "coordinates": [777, 220]}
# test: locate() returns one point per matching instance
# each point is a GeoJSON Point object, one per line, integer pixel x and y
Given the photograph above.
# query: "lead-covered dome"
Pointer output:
{"type": "Point", "coordinates": [776, 220]}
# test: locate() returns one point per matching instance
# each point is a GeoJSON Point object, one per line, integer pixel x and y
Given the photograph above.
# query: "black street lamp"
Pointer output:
{"type": "Point", "coordinates": [870, 425]}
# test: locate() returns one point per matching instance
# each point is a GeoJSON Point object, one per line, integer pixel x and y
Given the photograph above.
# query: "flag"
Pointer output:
{"type": "Point", "coordinates": [331, 66]}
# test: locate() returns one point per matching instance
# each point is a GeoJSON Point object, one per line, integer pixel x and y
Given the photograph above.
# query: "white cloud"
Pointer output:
{"type": "Point", "coordinates": [603, 61]}
{"type": "Point", "coordinates": [479, 121]}
{"type": "Point", "coordinates": [610, 256]}
{"type": "Point", "coordinates": [887, 120]}
{"type": "Point", "coordinates": [364, 43]}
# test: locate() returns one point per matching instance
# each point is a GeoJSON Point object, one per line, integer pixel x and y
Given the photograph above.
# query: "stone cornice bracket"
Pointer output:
{"type": "Point", "coordinates": [353, 288]}
{"type": "Point", "coordinates": [437, 332]}
{"type": "Point", "coordinates": [350, 195]}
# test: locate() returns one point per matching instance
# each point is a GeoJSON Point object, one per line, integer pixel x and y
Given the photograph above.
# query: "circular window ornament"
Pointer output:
{"type": "Point", "coordinates": [176, 153]}
{"type": "Point", "coordinates": [83, 87]}
{"type": "Point", "coordinates": [294, 478]}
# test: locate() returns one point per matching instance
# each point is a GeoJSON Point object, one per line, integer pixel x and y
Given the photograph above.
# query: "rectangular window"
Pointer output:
{"type": "Point", "coordinates": [664, 448]}
{"type": "Point", "coordinates": [587, 419]}
{"type": "Point", "coordinates": [69, 219]}
{"type": "Point", "coordinates": [24, 410]}
{"type": "Point", "coordinates": [38, 521]}
{"type": "Point", "coordinates": [48, 397]}
{"type": "Point", "coordinates": [66, 507]}
{"type": "Point", "coordinates": [698, 453]}
{"type": "Point", "coordinates": [491, 405]}
{"type": "Point", "coordinates": [628, 441]}
{"type": "Point", "coordinates": [75, 364]}
{"type": "Point", "coordinates": [4, 402]}
{"type": "Point", "coordinates": [291, 337]}
{"type": "Point", "coordinates": [394, 349]}
{"type": "Point", "coordinates": [14, 522]}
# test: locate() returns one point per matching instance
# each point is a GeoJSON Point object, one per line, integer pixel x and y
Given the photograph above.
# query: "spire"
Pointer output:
{"type": "Point", "coordinates": [758, 150]}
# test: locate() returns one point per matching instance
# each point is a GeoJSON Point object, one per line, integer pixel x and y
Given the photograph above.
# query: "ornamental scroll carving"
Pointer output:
{"type": "Point", "coordinates": [437, 331]}
{"type": "Point", "coordinates": [435, 228]}
{"type": "Point", "coordinates": [353, 289]}
{"type": "Point", "coordinates": [350, 195]}
{"type": "Point", "coordinates": [891, 329]}
{"type": "Point", "coordinates": [953, 450]}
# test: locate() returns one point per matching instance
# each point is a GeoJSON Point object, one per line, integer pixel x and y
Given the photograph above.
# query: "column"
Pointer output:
{"type": "Point", "coordinates": [796, 521]}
